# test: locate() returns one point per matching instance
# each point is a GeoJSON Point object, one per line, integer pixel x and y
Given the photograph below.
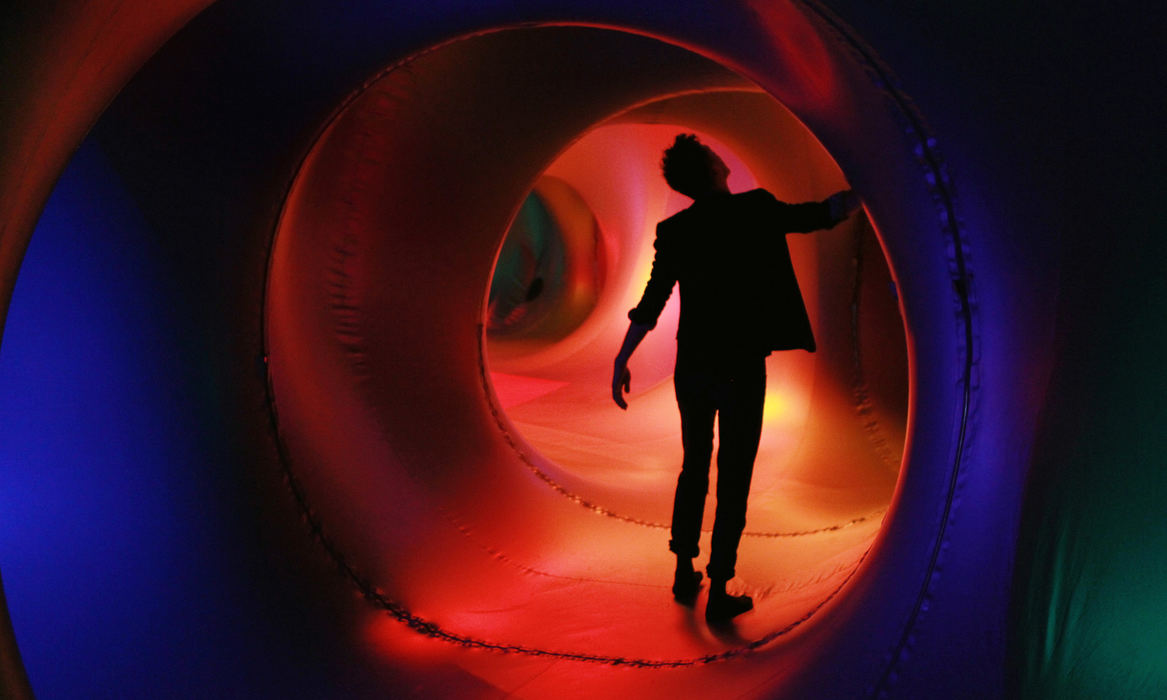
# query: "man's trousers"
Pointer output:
{"type": "Point", "coordinates": [735, 391]}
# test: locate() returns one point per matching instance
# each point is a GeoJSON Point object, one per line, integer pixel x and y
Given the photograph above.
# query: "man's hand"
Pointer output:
{"type": "Point", "coordinates": [621, 377]}
{"type": "Point", "coordinates": [621, 382]}
{"type": "Point", "coordinates": [843, 204]}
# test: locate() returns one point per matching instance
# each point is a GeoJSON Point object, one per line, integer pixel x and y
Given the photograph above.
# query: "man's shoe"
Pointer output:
{"type": "Point", "coordinates": [685, 587]}
{"type": "Point", "coordinates": [725, 607]}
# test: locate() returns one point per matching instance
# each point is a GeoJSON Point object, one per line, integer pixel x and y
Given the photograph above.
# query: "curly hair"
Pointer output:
{"type": "Point", "coordinates": [687, 165]}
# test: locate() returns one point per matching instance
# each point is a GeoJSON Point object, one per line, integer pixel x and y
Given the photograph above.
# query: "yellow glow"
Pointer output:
{"type": "Point", "coordinates": [777, 407]}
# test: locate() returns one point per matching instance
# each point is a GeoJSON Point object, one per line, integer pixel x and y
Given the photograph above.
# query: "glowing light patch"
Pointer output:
{"type": "Point", "coordinates": [513, 389]}
{"type": "Point", "coordinates": [777, 407]}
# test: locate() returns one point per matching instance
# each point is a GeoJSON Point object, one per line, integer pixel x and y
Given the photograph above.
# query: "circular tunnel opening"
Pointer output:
{"type": "Point", "coordinates": [550, 269]}
{"type": "Point", "coordinates": [554, 390]}
{"type": "Point", "coordinates": [456, 442]}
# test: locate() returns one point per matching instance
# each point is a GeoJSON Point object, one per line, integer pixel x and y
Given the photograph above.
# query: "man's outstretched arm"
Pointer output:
{"type": "Point", "coordinates": [621, 377]}
{"type": "Point", "coordinates": [842, 204]}
{"type": "Point", "coordinates": [816, 216]}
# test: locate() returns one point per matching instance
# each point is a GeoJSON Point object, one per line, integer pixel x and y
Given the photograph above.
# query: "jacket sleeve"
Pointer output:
{"type": "Point", "coordinates": [660, 283]}
{"type": "Point", "coordinates": [802, 218]}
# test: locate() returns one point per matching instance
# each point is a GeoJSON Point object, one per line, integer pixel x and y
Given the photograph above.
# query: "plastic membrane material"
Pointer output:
{"type": "Point", "coordinates": [336, 297]}
{"type": "Point", "coordinates": [517, 472]}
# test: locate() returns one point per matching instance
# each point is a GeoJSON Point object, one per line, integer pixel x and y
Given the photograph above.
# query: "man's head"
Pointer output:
{"type": "Point", "coordinates": [693, 169]}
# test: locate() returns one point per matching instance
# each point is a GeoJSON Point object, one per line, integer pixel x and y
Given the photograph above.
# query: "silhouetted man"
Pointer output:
{"type": "Point", "coordinates": [739, 301]}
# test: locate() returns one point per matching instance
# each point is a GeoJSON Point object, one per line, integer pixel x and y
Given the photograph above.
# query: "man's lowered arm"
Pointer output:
{"type": "Point", "coordinates": [643, 317]}
{"type": "Point", "coordinates": [621, 377]}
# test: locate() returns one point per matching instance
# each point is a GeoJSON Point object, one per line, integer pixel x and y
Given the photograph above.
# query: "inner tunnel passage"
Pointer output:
{"type": "Point", "coordinates": [498, 457]}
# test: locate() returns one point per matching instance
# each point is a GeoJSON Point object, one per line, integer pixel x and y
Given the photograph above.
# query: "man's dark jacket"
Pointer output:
{"type": "Point", "coordinates": [739, 295]}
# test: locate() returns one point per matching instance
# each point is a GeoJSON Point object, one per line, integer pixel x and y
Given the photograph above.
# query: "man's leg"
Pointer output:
{"type": "Point", "coordinates": [740, 429]}
{"type": "Point", "coordinates": [697, 411]}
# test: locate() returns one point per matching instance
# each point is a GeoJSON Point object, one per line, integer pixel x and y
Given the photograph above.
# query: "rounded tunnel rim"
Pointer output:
{"type": "Point", "coordinates": [523, 447]}
{"type": "Point", "coordinates": [368, 588]}
{"type": "Point", "coordinates": [514, 435]}
{"type": "Point", "coordinates": [937, 182]}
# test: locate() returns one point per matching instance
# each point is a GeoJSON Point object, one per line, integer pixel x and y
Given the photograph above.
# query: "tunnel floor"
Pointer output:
{"type": "Point", "coordinates": [601, 597]}
{"type": "Point", "coordinates": [605, 595]}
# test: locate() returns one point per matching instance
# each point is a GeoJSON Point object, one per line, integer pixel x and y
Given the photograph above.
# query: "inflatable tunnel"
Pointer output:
{"type": "Point", "coordinates": [304, 385]}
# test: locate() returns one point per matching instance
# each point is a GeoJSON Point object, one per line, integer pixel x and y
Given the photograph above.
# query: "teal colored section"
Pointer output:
{"type": "Point", "coordinates": [1089, 616]}
{"type": "Point", "coordinates": [530, 265]}
{"type": "Point", "coordinates": [1090, 610]}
